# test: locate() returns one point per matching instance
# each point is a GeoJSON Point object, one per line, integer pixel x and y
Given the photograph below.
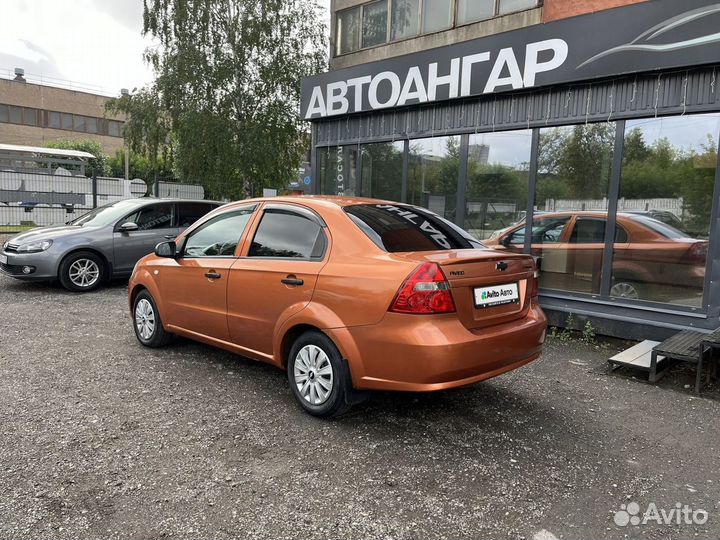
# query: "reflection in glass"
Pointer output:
{"type": "Point", "coordinates": [433, 172]}
{"type": "Point", "coordinates": [374, 26]}
{"type": "Point", "coordinates": [508, 6]}
{"type": "Point", "coordinates": [574, 170]}
{"type": "Point", "coordinates": [666, 194]}
{"type": "Point", "coordinates": [382, 170]}
{"type": "Point", "coordinates": [348, 31]}
{"type": "Point", "coordinates": [497, 182]}
{"type": "Point", "coordinates": [338, 166]}
{"type": "Point", "coordinates": [437, 15]}
{"type": "Point", "coordinates": [475, 10]}
{"type": "Point", "coordinates": [405, 19]}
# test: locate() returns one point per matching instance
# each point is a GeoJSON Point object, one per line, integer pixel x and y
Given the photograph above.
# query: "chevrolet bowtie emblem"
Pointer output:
{"type": "Point", "coordinates": [502, 266]}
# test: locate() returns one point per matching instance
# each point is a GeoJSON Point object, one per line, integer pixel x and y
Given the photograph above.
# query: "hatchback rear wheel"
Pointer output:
{"type": "Point", "coordinates": [318, 376]}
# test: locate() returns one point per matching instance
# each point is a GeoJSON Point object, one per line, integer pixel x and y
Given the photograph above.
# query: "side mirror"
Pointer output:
{"type": "Point", "coordinates": [166, 249]}
{"type": "Point", "coordinates": [129, 226]}
{"type": "Point", "coordinates": [506, 241]}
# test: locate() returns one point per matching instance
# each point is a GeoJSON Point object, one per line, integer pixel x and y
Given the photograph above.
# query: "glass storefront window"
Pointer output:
{"type": "Point", "coordinates": [337, 168]}
{"type": "Point", "coordinates": [405, 21]}
{"type": "Point", "coordinates": [497, 183]}
{"type": "Point", "coordinates": [382, 170]}
{"type": "Point", "coordinates": [433, 173]}
{"type": "Point", "coordinates": [348, 31]}
{"type": "Point", "coordinates": [437, 15]}
{"type": "Point", "coordinates": [475, 10]}
{"type": "Point", "coordinates": [374, 25]}
{"type": "Point", "coordinates": [568, 227]}
{"type": "Point", "coordinates": [666, 194]}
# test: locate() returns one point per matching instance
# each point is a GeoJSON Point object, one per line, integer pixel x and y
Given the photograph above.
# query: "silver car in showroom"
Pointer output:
{"type": "Point", "coordinates": [102, 244]}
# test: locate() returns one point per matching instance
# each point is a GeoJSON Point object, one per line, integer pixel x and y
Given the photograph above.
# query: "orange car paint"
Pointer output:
{"type": "Point", "coordinates": [347, 295]}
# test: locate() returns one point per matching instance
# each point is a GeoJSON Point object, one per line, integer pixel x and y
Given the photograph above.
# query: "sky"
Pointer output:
{"type": "Point", "coordinates": [96, 44]}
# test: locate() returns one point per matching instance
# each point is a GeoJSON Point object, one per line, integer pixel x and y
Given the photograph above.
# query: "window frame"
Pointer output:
{"type": "Point", "coordinates": [454, 23]}
{"type": "Point", "coordinates": [205, 220]}
{"type": "Point", "coordinates": [301, 211]}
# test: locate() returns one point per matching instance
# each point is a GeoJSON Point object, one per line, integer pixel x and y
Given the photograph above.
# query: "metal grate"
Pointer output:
{"type": "Point", "coordinates": [682, 346]}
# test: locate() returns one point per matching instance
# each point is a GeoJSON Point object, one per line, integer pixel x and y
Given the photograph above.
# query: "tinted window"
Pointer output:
{"type": "Point", "coordinates": [54, 120]}
{"type": "Point", "coordinates": [67, 121]}
{"type": "Point", "coordinates": [400, 228]}
{"type": "Point", "coordinates": [283, 233]}
{"type": "Point", "coordinates": [218, 237]}
{"type": "Point", "coordinates": [158, 216]}
{"type": "Point", "coordinates": [190, 212]}
{"type": "Point", "coordinates": [4, 116]}
{"type": "Point", "coordinates": [588, 231]}
{"type": "Point", "coordinates": [660, 228]}
{"type": "Point", "coordinates": [15, 114]}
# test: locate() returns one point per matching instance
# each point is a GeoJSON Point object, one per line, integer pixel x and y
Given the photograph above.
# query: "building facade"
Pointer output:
{"type": "Point", "coordinates": [34, 114]}
{"type": "Point", "coordinates": [584, 132]}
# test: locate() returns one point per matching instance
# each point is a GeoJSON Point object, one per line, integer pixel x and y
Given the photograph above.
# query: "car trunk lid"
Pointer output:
{"type": "Point", "coordinates": [488, 271]}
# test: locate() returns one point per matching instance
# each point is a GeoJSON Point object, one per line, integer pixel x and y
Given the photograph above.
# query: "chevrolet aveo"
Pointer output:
{"type": "Point", "coordinates": [346, 295]}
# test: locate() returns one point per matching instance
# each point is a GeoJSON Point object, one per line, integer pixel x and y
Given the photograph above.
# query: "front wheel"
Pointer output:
{"type": "Point", "coordinates": [147, 323]}
{"type": "Point", "coordinates": [318, 376]}
{"type": "Point", "coordinates": [82, 271]}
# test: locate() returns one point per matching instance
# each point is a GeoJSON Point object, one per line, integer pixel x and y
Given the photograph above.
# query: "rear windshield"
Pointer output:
{"type": "Point", "coordinates": [663, 229]}
{"type": "Point", "coordinates": [400, 228]}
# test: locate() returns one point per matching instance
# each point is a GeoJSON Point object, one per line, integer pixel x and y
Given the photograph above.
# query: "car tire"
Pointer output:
{"type": "Point", "coordinates": [82, 271]}
{"type": "Point", "coordinates": [319, 377]}
{"type": "Point", "coordinates": [147, 323]}
{"type": "Point", "coordinates": [627, 289]}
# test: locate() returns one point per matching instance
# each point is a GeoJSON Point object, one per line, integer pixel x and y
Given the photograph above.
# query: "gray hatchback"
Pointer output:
{"type": "Point", "coordinates": [104, 243]}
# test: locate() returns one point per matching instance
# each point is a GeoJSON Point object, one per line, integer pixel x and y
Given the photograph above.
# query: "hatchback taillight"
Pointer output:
{"type": "Point", "coordinates": [425, 292]}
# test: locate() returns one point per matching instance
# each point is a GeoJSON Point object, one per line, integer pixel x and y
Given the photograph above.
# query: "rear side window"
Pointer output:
{"type": "Point", "coordinates": [190, 212]}
{"type": "Point", "coordinates": [401, 228]}
{"type": "Point", "coordinates": [286, 234]}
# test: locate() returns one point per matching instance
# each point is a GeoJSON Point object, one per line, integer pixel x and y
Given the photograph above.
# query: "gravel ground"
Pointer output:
{"type": "Point", "coordinates": [102, 438]}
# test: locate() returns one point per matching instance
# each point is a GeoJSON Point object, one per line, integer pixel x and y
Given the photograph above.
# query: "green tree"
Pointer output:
{"type": "Point", "coordinates": [227, 89]}
{"type": "Point", "coordinates": [97, 165]}
{"type": "Point", "coordinates": [147, 130]}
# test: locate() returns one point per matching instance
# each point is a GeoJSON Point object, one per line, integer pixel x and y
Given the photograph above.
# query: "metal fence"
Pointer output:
{"type": "Point", "coordinates": [30, 199]}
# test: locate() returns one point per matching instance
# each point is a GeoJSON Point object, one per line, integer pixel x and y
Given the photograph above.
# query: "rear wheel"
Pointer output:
{"type": "Point", "coordinates": [82, 271]}
{"type": "Point", "coordinates": [318, 376]}
{"type": "Point", "coordinates": [629, 290]}
{"type": "Point", "coordinates": [147, 323]}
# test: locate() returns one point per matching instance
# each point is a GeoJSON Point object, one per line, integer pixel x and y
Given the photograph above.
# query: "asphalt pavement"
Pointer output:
{"type": "Point", "coordinates": [102, 438]}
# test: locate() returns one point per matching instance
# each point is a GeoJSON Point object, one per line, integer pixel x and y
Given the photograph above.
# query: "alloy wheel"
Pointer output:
{"type": "Point", "coordinates": [84, 273]}
{"type": "Point", "coordinates": [625, 290]}
{"type": "Point", "coordinates": [313, 374]}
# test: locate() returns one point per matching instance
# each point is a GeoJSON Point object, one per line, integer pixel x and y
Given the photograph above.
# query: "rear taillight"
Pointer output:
{"type": "Point", "coordinates": [535, 284]}
{"type": "Point", "coordinates": [425, 292]}
{"type": "Point", "coordinates": [697, 254]}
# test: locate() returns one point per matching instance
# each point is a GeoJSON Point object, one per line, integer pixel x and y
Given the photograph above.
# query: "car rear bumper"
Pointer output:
{"type": "Point", "coordinates": [437, 353]}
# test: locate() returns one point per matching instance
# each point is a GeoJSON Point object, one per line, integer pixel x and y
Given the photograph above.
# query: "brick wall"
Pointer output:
{"type": "Point", "coordinates": [561, 9]}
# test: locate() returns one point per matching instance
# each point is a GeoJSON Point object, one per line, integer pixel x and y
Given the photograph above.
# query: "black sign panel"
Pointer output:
{"type": "Point", "coordinates": [653, 35]}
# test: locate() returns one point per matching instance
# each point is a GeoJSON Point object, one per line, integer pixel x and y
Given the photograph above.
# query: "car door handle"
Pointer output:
{"type": "Point", "coordinates": [213, 275]}
{"type": "Point", "coordinates": [293, 282]}
{"type": "Point", "coordinates": [170, 237]}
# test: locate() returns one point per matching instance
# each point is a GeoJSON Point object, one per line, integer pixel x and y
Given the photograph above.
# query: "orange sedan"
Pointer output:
{"type": "Point", "coordinates": [346, 295]}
